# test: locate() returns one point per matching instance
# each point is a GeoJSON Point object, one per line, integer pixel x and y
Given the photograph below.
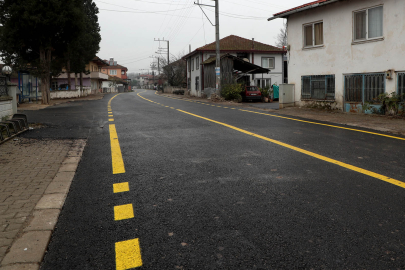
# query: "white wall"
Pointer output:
{"type": "Point", "coordinates": [275, 74]}
{"type": "Point", "coordinates": [339, 56]}
{"type": "Point", "coordinates": [6, 109]}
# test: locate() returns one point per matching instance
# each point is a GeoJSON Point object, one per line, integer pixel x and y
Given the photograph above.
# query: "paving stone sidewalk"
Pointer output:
{"type": "Point", "coordinates": [27, 171]}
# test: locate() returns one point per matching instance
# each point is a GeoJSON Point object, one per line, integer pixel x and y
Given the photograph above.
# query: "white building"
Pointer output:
{"type": "Point", "coordinates": [257, 53]}
{"type": "Point", "coordinates": [345, 51]}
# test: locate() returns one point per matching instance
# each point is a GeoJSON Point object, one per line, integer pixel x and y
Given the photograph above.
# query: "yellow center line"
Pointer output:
{"type": "Point", "coordinates": [327, 125]}
{"type": "Point", "coordinates": [125, 211]}
{"type": "Point", "coordinates": [330, 160]}
{"type": "Point", "coordinates": [111, 119]}
{"type": "Point", "coordinates": [117, 161]}
{"type": "Point", "coordinates": [121, 187]}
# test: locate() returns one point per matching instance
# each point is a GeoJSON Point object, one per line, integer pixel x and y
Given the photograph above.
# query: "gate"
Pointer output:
{"type": "Point", "coordinates": [29, 86]}
{"type": "Point", "coordinates": [362, 88]}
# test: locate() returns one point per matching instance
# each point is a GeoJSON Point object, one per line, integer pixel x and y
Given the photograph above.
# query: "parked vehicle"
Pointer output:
{"type": "Point", "coordinates": [251, 93]}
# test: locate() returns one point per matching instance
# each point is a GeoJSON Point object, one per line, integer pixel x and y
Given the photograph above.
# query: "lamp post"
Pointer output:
{"type": "Point", "coordinates": [7, 70]}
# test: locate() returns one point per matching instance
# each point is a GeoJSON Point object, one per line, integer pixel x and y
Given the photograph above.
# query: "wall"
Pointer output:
{"type": "Point", "coordinates": [71, 93]}
{"type": "Point", "coordinates": [339, 56]}
{"type": "Point", "coordinates": [6, 108]}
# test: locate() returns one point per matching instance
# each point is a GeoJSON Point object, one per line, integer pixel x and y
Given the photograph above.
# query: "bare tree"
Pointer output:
{"type": "Point", "coordinates": [175, 73]}
{"type": "Point", "coordinates": [281, 39]}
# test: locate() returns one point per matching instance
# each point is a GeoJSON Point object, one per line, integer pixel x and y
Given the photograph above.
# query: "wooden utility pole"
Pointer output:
{"type": "Point", "coordinates": [217, 47]}
{"type": "Point", "coordinates": [218, 60]}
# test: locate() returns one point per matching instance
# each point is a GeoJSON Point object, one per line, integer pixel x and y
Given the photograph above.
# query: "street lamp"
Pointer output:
{"type": "Point", "coordinates": [7, 70]}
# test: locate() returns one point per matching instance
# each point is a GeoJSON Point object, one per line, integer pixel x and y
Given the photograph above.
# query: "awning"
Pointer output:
{"type": "Point", "coordinates": [239, 65]}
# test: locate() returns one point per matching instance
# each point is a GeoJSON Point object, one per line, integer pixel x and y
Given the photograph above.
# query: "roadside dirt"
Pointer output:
{"type": "Point", "coordinates": [384, 123]}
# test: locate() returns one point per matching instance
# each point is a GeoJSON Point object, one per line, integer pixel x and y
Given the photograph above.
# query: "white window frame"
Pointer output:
{"type": "Point", "coordinates": [354, 25]}
{"type": "Point", "coordinates": [313, 35]}
{"type": "Point", "coordinates": [113, 72]}
{"type": "Point", "coordinates": [270, 67]}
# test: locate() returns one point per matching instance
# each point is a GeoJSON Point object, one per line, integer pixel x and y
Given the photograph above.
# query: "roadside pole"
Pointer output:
{"type": "Point", "coordinates": [218, 58]}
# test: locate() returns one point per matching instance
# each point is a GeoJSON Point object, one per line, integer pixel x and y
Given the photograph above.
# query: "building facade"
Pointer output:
{"type": "Point", "coordinates": [257, 53]}
{"type": "Point", "coordinates": [346, 52]}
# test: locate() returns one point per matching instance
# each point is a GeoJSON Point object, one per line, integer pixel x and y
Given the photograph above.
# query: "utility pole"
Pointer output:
{"type": "Point", "coordinates": [217, 47]}
{"type": "Point", "coordinates": [168, 48]}
{"type": "Point", "coordinates": [218, 60]}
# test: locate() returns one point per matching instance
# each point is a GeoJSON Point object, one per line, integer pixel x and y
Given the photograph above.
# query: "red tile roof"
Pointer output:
{"type": "Point", "coordinates": [302, 6]}
{"type": "Point", "coordinates": [236, 43]}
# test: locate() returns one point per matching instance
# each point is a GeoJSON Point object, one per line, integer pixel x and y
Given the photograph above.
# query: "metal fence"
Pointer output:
{"type": "Point", "coordinates": [3, 86]}
{"type": "Point", "coordinates": [318, 87]}
{"type": "Point", "coordinates": [401, 85]}
{"type": "Point", "coordinates": [364, 87]}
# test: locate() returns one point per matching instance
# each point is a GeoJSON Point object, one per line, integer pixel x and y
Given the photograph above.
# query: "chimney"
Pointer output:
{"type": "Point", "coordinates": [189, 48]}
{"type": "Point", "coordinates": [253, 43]}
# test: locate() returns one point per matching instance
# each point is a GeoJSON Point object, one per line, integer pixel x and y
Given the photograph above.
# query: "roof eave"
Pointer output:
{"type": "Point", "coordinates": [284, 15]}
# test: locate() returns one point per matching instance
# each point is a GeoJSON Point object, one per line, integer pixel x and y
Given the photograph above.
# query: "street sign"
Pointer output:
{"type": "Point", "coordinates": [217, 71]}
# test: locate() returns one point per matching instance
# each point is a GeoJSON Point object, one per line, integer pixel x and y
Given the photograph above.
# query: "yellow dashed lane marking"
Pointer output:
{"type": "Point", "coordinates": [125, 211]}
{"type": "Point", "coordinates": [330, 160]}
{"type": "Point", "coordinates": [121, 187]}
{"type": "Point", "coordinates": [110, 120]}
{"type": "Point", "coordinates": [128, 254]}
{"type": "Point", "coordinates": [117, 161]}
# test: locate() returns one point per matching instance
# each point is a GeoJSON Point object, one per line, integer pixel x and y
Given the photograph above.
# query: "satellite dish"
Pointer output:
{"type": "Point", "coordinates": [246, 60]}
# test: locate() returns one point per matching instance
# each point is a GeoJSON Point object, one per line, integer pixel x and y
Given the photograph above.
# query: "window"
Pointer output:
{"type": "Point", "coordinates": [54, 85]}
{"type": "Point", "coordinates": [263, 83]}
{"type": "Point", "coordinates": [313, 34]}
{"type": "Point", "coordinates": [197, 83]}
{"type": "Point", "coordinates": [197, 62]}
{"type": "Point", "coordinates": [368, 24]}
{"type": "Point", "coordinates": [192, 64]}
{"type": "Point", "coordinates": [113, 72]}
{"type": "Point", "coordinates": [401, 85]}
{"type": "Point", "coordinates": [122, 72]}
{"type": "Point", "coordinates": [268, 62]}
{"type": "Point", "coordinates": [319, 87]}
{"type": "Point", "coordinates": [364, 87]}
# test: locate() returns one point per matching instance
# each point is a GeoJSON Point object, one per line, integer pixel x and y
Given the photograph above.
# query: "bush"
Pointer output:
{"type": "Point", "coordinates": [232, 91]}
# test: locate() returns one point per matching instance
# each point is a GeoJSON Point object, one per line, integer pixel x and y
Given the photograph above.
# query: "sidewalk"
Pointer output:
{"type": "Point", "coordinates": [37, 105]}
{"type": "Point", "coordinates": [35, 178]}
{"type": "Point", "coordinates": [390, 124]}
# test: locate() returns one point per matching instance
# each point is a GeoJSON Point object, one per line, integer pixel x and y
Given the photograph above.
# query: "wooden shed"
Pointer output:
{"type": "Point", "coordinates": [233, 70]}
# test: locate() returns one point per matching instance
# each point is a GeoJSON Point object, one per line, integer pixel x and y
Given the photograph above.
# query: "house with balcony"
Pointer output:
{"type": "Point", "coordinates": [345, 52]}
{"type": "Point", "coordinates": [92, 80]}
{"type": "Point", "coordinates": [260, 56]}
{"type": "Point", "coordinates": [113, 69]}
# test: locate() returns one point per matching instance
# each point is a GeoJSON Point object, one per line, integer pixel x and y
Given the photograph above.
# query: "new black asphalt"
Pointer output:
{"type": "Point", "coordinates": [206, 196]}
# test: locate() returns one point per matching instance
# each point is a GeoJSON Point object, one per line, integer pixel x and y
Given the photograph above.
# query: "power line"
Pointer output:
{"type": "Point", "coordinates": [140, 11]}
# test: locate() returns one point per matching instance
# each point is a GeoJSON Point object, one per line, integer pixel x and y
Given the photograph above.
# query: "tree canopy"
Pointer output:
{"type": "Point", "coordinates": [42, 35]}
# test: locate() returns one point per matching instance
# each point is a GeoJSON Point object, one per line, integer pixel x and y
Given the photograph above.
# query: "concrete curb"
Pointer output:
{"type": "Point", "coordinates": [29, 249]}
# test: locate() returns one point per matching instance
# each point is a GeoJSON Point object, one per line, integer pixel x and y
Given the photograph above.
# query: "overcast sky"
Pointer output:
{"type": "Point", "coordinates": [129, 27]}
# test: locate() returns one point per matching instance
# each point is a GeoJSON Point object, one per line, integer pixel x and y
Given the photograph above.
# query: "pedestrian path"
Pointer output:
{"type": "Point", "coordinates": [33, 187]}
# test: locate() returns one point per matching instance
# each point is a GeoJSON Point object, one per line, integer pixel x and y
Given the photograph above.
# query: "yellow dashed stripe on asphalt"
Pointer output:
{"type": "Point", "coordinates": [125, 211]}
{"type": "Point", "coordinates": [121, 187]}
{"type": "Point", "coordinates": [330, 160]}
{"type": "Point", "coordinates": [117, 161]}
{"type": "Point", "coordinates": [128, 254]}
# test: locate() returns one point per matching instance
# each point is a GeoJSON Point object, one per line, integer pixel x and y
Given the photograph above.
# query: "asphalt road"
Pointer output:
{"type": "Point", "coordinates": [220, 188]}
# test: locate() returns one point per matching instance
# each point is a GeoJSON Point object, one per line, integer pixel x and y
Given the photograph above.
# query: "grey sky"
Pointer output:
{"type": "Point", "coordinates": [129, 36]}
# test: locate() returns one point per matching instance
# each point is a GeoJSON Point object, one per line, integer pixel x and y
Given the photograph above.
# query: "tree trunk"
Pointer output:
{"type": "Point", "coordinates": [81, 83]}
{"type": "Point", "coordinates": [68, 74]}
{"type": "Point", "coordinates": [45, 63]}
